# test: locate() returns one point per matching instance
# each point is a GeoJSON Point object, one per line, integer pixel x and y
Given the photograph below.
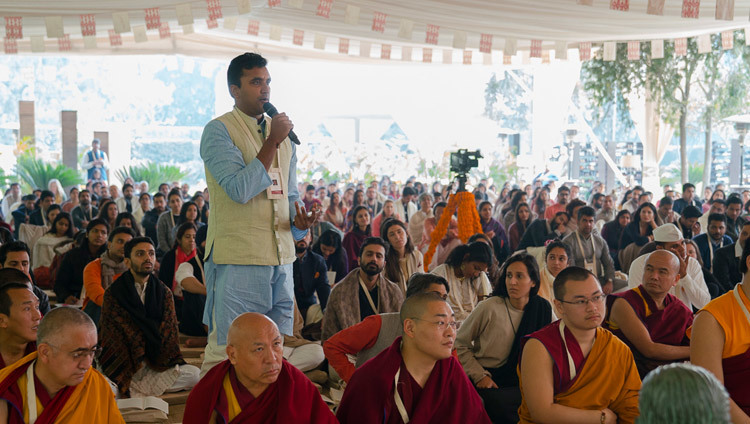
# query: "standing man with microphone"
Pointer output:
{"type": "Point", "coordinates": [255, 215]}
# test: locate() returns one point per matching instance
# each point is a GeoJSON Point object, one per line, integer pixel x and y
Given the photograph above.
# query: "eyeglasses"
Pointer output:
{"type": "Point", "coordinates": [441, 325]}
{"type": "Point", "coordinates": [79, 354]}
{"type": "Point", "coordinates": [583, 302]}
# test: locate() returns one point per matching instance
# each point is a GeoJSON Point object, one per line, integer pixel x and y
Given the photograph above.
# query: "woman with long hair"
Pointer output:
{"type": "Point", "coordinates": [488, 342]}
{"type": "Point", "coordinates": [557, 257]}
{"type": "Point", "coordinates": [182, 271]}
{"type": "Point", "coordinates": [359, 199]}
{"type": "Point", "coordinates": [402, 259]}
{"type": "Point", "coordinates": [108, 212]}
{"type": "Point", "coordinates": [510, 214]}
{"type": "Point", "coordinates": [60, 232]}
{"type": "Point", "coordinates": [388, 212]}
{"type": "Point", "coordinates": [540, 202]}
{"type": "Point", "coordinates": [360, 231]}
{"type": "Point", "coordinates": [126, 219]}
{"type": "Point", "coordinates": [189, 212]}
{"type": "Point", "coordinates": [717, 194]}
{"type": "Point", "coordinates": [641, 228]}
{"type": "Point", "coordinates": [336, 212]}
{"type": "Point", "coordinates": [495, 231]}
{"type": "Point", "coordinates": [465, 271]}
{"type": "Point", "coordinates": [329, 247]}
{"type": "Point", "coordinates": [612, 232]}
{"type": "Point", "coordinates": [517, 228]}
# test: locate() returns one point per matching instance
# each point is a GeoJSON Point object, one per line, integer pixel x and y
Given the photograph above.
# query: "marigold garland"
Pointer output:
{"type": "Point", "coordinates": [468, 222]}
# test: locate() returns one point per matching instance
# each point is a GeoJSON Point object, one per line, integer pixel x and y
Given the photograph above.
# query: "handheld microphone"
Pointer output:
{"type": "Point", "coordinates": [272, 111]}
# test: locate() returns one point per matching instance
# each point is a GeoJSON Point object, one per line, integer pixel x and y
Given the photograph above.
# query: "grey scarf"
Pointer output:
{"type": "Point", "coordinates": [110, 268]}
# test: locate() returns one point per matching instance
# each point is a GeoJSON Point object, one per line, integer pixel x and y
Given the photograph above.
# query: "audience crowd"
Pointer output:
{"type": "Point", "coordinates": [554, 313]}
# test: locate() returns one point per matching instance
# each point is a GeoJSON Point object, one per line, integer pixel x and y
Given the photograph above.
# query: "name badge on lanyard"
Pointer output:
{"type": "Point", "coordinates": [589, 265]}
{"type": "Point", "coordinates": [275, 191]}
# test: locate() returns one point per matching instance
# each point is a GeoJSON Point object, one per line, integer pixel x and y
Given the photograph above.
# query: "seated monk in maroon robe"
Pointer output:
{"type": "Point", "coordinates": [573, 371]}
{"type": "Point", "coordinates": [649, 319]}
{"type": "Point", "coordinates": [19, 316]}
{"type": "Point", "coordinates": [415, 380]}
{"type": "Point", "coordinates": [255, 384]}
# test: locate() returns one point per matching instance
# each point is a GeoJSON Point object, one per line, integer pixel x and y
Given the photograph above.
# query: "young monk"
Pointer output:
{"type": "Point", "coordinates": [573, 371]}
{"type": "Point", "coordinates": [649, 319]}
{"type": "Point", "coordinates": [19, 316]}
{"type": "Point", "coordinates": [416, 379]}
{"type": "Point", "coordinates": [255, 384]}
{"type": "Point", "coordinates": [720, 341]}
{"type": "Point", "coordinates": [59, 376]}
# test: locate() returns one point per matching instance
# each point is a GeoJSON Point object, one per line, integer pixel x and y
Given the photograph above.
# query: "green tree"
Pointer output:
{"type": "Point", "coordinates": [507, 102]}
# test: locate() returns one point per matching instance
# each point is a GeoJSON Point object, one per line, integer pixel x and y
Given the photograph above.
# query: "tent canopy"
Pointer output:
{"type": "Point", "coordinates": [508, 21]}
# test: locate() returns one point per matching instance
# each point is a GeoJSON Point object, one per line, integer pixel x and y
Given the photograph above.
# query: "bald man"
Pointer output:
{"type": "Point", "coordinates": [415, 379]}
{"type": "Point", "coordinates": [255, 384]}
{"type": "Point", "coordinates": [59, 376]}
{"type": "Point", "coordinates": [650, 320]}
{"type": "Point", "coordinates": [19, 316]}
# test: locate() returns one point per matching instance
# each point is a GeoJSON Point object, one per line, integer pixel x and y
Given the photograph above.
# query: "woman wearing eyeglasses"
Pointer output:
{"type": "Point", "coordinates": [488, 341]}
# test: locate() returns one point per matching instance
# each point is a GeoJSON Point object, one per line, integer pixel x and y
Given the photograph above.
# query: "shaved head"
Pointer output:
{"type": "Point", "coordinates": [54, 325]}
{"type": "Point", "coordinates": [428, 327]}
{"type": "Point", "coordinates": [667, 256]}
{"type": "Point", "coordinates": [416, 305]}
{"type": "Point", "coordinates": [255, 348]}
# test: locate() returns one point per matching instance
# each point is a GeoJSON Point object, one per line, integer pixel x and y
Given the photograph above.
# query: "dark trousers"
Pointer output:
{"type": "Point", "coordinates": [501, 404]}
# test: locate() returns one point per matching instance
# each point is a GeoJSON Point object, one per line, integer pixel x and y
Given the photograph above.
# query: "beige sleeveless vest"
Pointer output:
{"type": "Point", "coordinates": [259, 231]}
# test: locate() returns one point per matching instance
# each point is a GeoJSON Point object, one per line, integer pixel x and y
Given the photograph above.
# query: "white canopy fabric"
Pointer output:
{"type": "Point", "coordinates": [515, 22]}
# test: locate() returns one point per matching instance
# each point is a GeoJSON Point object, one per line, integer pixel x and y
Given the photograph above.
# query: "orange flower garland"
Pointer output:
{"type": "Point", "coordinates": [468, 222]}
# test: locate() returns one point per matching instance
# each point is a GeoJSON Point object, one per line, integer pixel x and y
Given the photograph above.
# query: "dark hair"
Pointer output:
{"type": "Point", "coordinates": [158, 194]}
{"type": "Point", "coordinates": [521, 224]}
{"type": "Point", "coordinates": [174, 192]}
{"type": "Point", "coordinates": [121, 230]}
{"type": "Point", "coordinates": [140, 197]}
{"type": "Point", "coordinates": [572, 205]}
{"type": "Point", "coordinates": [563, 188]}
{"type": "Point", "coordinates": [484, 202]}
{"type": "Point", "coordinates": [555, 244]}
{"type": "Point", "coordinates": [60, 217]}
{"type": "Point", "coordinates": [309, 187]}
{"type": "Point", "coordinates": [586, 211]}
{"type": "Point", "coordinates": [567, 215]}
{"type": "Point", "coordinates": [734, 200]}
{"type": "Point", "coordinates": [516, 199]}
{"type": "Point", "coordinates": [666, 200]}
{"type": "Point", "coordinates": [355, 211]}
{"type": "Point", "coordinates": [85, 190]}
{"type": "Point", "coordinates": [183, 212]}
{"type": "Point", "coordinates": [371, 240]}
{"type": "Point", "coordinates": [54, 207]}
{"type": "Point", "coordinates": [719, 201]}
{"type": "Point", "coordinates": [532, 268]}
{"type": "Point", "coordinates": [419, 282]}
{"type": "Point", "coordinates": [10, 278]}
{"type": "Point", "coordinates": [45, 194]}
{"type": "Point", "coordinates": [126, 185]}
{"type": "Point", "coordinates": [5, 236]}
{"type": "Point", "coordinates": [241, 62]}
{"type": "Point", "coordinates": [14, 246]}
{"type": "Point", "coordinates": [133, 222]}
{"type": "Point", "coordinates": [103, 214]}
{"type": "Point", "coordinates": [331, 238]}
{"type": "Point", "coordinates": [134, 242]}
{"type": "Point", "coordinates": [687, 186]}
{"type": "Point", "coordinates": [745, 254]}
{"type": "Point", "coordinates": [96, 221]}
{"type": "Point", "coordinates": [392, 266]}
{"type": "Point", "coordinates": [637, 216]}
{"type": "Point", "coordinates": [443, 205]}
{"type": "Point", "coordinates": [181, 230]}
{"type": "Point", "coordinates": [717, 217]}
{"type": "Point", "coordinates": [625, 197]}
{"type": "Point", "coordinates": [472, 252]}
{"type": "Point", "coordinates": [73, 188]}
{"type": "Point", "coordinates": [571, 273]}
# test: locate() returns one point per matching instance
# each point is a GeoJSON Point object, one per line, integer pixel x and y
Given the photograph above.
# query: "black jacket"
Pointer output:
{"type": "Point", "coordinates": [310, 277]}
{"type": "Point", "coordinates": [727, 268]}
{"type": "Point", "coordinates": [69, 279]}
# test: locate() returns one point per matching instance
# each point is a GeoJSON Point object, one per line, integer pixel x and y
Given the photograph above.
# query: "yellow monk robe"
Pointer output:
{"type": "Point", "coordinates": [732, 311]}
{"type": "Point", "coordinates": [607, 378]}
{"type": "Point", "coordinates": [92, 401]}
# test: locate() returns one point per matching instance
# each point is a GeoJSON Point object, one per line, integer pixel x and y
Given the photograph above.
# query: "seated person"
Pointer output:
{"type": "Point", "coordinates": [19, 316]}
{"type": "Point", "coordinates": [541, 230]}
{"type": "Point", "coordinates": [310, 279]}
{"type": "Point", "coordinates": [683, 393]}
{"type": "Point", "coordinates": [140, 340]}
{"type": "Point", "coordinates": [590, 251]}
{"type": "Point", "coordinates": [100, 273]}
{"type": "Point", "coordinates": [303, 354]}
{"type": "Point", "coordinates": [189, 304]}
{"type": "Point", "coordinates": [16, 255]}
{"type": "Point", "coordinates": [39, 216]}
{"type": "Point", "coordinates": [465, 272]}
{"type": "Point", "coordinates": [255, 384]}
{"type": "Point", "coordinates": [69, 281]}
{"type": "Point", "coordinates": [713, 239]}
{"type": "Point", "coordinates": [727, 261]}
{"type": "Point", "coordinates": [415, 379]}
{"type": "Point", "coordinates": [363, 292]}
{"type": "Point", "coordinates": [556, 258]}
{"type": "Point", "coordinates": [85, 211]}
{"type": "Point", "coordinates": [691, 289]}
{"type": "Point", "coordinates": [649, 319]}
{"type": "Point", "coordinates": [329, 247]}
{"type": "Point", "coordinates": [376, 332]}
{"type": "Point", "coordinates": [489, 339]}
{"type": "Point", "coordinates": [573, 371]}
{"type": "Point", "coordinates": [60, 231]}
{"type": "Point", "coordinates": [68, 389]}
{"type": "Point", "coordinates": [720, 341]}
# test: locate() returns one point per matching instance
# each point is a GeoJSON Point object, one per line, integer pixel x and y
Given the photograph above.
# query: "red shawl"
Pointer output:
{"type": "Point", "coordinates": [291, 399]}
{"type": "Point", "coordinates": [30, 347]}
{"type": "Point", "coordinates": [179, 258]}
{"type": "Point", "coordinates": [447, 397]}
{"type": "Point", "coordinates": [550, 338]}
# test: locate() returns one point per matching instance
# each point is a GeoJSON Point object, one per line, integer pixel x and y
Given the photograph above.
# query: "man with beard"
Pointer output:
{"type": "Point", "coordinates": [363, 292]}
{"type": "Point", "coordinates": [666, 211]}
{"type": "Point", "coordinates": [590, 251]}
{"type": "Point", "coordinates": [151, 217]}
{"type": "Point", "coordinates": [714, 239]}
{"type": "Point", "coordinates": [542, 230]}
{"type": "Point", "coordinates": [310, 278]}
{"type": "Point", "coordinates": [140, 339]}
{"type": "Point", "coordinates": [734, 221]}
{"type": "Point", "coordinates": [127, 203]}
{"type": "Point", "coordinates": [84, 212]}
{"type": "Point", "coordinates": [727, 261]}
{"type": "Point", "coordinates": [22, 214]}
{"type": "Point", "coordinates": [607, 212]}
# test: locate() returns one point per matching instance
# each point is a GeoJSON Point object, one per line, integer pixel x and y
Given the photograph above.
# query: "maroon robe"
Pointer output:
{"type": "Point", "coordinates": [667, 326]}
{"type": "Point", "coordinates": [52, 406]}
{"type": "Point", "coordinates": [447, 397]}
{"type": "Point", "coordinates": [736, 377]}
{"type": "Point", "coordinates": [291, 399]}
